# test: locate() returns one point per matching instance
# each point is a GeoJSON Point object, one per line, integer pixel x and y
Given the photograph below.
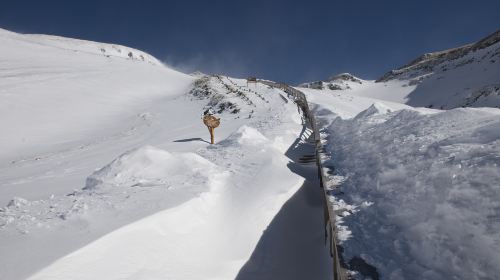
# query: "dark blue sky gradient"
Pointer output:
{"type": "Point", "coordinates": [291, 41]}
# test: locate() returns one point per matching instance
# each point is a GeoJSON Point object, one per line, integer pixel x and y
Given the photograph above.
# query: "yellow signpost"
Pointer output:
{"type": "Point", "coordinates": [211, 122]}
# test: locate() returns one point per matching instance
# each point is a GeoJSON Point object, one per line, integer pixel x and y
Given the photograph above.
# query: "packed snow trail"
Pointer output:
{"type": "Point", "coordinates": [293, 245]}
{"type": "Point", "coordinates": [339, 269]}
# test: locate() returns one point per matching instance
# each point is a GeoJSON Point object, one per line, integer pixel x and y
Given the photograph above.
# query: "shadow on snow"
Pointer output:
{"type": "Point", "coordinates": [191, 140]}
{"type": "Point", "coordinates": [293, 245]}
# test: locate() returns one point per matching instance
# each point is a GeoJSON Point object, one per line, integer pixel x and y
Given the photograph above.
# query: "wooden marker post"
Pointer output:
{"type": "Point", "coordinates": [211, 122]}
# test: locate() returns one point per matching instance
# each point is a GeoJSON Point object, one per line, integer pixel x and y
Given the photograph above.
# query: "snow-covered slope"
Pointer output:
{"type": "Point", "coordinates": [102, 152]}
{"type": "Point", "coordinates": [59, 92]}
{"type": "Point", "coordinates": [337, 82]}
{"type": "Point", "coordinates": [105, 171]}
{"type": "Point", "coordinates": [84, 46]}
{"type": "Point", "coordinates": [467, 76]}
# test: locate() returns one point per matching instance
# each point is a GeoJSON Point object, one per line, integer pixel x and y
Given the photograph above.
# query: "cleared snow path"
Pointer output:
{"type": "Point", "coordinates": [293, 245]}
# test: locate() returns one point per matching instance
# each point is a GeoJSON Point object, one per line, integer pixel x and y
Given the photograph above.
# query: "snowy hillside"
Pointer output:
{"type": "Point", "coordinates": [55, 96]}
{"type": "Point", "coordinates": [337, 82]}
{"type": "Point", "coordinates": [467, 76]}
{"type": "Point", "coordinates": [83, 46]}
{"type": "Point", "coordinates": [106, 171]}
{"type": "Point", "coordinates": [103, 152]}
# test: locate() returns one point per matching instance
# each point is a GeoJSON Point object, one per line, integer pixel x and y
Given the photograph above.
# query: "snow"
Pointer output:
{"type": "Point", "coordinates": [76, 86]}
{"type": "Point", "coordinates": [419, 188]}
{"type": "Point", "coordinates": [149, 167]}
{"type": "Point", "coordinates": [245, 135]}
{"type": "Point", "coordinates": [105, 170]}
{"type": "Point", "coordinates": [210, 236]}
{"type": "Point", "coordinates": [344, 104]}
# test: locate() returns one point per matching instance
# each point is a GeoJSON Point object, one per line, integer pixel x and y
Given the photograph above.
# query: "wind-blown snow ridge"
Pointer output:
{"type": "Point", "coordinates": [148, 167]}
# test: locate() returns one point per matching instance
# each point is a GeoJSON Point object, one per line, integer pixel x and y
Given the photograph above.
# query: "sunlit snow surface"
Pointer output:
{"type": "Point", "coordinates": [106, 173]}
{"type": "Point", "coordinates": [419, 189]}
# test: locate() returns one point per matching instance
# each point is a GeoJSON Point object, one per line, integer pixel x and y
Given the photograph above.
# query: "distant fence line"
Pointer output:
{"type": "Point", "coordinates": [339, 272]}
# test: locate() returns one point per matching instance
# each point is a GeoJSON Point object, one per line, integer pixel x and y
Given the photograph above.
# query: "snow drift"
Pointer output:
{"type": "Point", "coordinates": [150, 167]}
{"type": "Point", "coordinates": [423, 190]}
{"type": "Point", "coordinates": [208, 237]}
{"type": "Point", "coordinates": [71, 106]}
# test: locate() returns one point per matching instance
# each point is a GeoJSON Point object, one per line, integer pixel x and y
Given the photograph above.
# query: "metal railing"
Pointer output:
{"type": "Point", "coordinates": [339, 272]}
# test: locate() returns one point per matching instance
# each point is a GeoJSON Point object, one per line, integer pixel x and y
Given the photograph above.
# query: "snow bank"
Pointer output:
{"type": "Point", "coordinates": [210, 236]}
{"type": "Point", "coordinates": [149, 166]}
{"type": "Point", "coordinates": [426, 189]}
{"type": "Point", "coordinates": [116, 185]}
{"type": "Point", "coordinates": [374, 110]}
{"type": "Point", "coordinates": [69, 106]}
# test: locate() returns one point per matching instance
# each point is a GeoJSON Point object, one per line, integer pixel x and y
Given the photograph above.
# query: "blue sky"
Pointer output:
{"type": "Point", "coordinates": [290, 41]}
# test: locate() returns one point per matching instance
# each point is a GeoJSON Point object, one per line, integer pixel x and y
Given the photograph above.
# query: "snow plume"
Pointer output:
{"type": "Point", "coordinates": [228, 63]}
{"type": "Point", "coordinates": [432, 182]}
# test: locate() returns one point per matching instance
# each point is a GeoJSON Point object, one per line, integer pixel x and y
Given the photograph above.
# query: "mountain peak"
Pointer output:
{"type": "Point", "coordinates": [427, 62]}
{"type": "Point", "coordinates": [340, 81]}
